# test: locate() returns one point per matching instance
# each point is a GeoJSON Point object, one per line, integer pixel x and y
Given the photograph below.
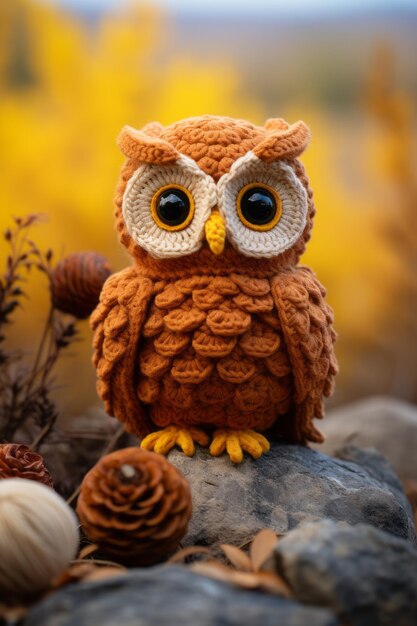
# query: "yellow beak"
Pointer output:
{"type": "Point", "coordinates": [215, 229]}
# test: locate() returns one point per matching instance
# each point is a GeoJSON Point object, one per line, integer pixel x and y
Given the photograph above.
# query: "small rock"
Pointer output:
{"type": "Point", "coordinates": [385, 423]}
{"type": "Point", "coordinates": [290, 485]}
{"type": "Point", "coordinates": [366, 576]}
{"type": "Point", "coordinates": [170, 596]}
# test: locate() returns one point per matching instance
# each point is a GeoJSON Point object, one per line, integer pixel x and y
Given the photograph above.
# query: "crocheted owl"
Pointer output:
{"type": "Point", "coordinates": [215, 334]}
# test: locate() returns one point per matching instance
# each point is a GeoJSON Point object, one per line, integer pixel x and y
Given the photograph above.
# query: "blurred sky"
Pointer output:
{"type": "Point", "coordinates": [257, 7]}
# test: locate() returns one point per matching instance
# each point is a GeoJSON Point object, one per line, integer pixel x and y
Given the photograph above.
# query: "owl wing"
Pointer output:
{"type": "Point", "coordinates": [306, 321]}
{"type": "Point", "coordinates": [117, 323]}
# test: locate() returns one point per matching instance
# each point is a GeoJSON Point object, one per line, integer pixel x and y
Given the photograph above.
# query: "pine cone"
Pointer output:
{"type": "Point", "coordinates": [135, 505]}
{"type": "Point", "coordinates": [76, 283]}
{"type": "Point", "coordinates": [18, 461]}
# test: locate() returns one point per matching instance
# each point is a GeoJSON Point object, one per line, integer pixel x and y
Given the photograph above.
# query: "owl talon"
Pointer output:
{"type": "Point", "coordinates": [235, 442]}
{"type": "Point", "coordinates": [162, 441]}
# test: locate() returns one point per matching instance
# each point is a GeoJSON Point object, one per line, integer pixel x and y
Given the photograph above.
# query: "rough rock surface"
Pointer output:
{"type": "Point", "coordinates": [171, 596]}
{"type": "Point", "coordinates": [368, 577]}
{"type": "Point", "coordinates": [286, 487]}
{"type": "Point", "coordinates": [387, 424]}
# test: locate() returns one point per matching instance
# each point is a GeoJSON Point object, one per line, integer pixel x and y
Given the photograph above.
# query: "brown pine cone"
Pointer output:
{"type": "Point", "coordinates": [76, 283]}
{"type": "Point", "coordinates": [135, 505]}
{"type": "Point", "coordinates": [18, 461]}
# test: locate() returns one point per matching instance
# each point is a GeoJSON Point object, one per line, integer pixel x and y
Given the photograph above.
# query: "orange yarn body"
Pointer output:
{"type": "Point", "coordinates": [222, 341]}
{"type": "Point", "coordinates": [234, 351]}
{"type": "Point", "coordinates": [213, 354]}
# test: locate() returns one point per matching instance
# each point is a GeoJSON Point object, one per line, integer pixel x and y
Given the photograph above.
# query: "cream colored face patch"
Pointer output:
{"type": "Point", "coordinates": [165, 207]}
{"type": "Point", "coordinates": [260, 230]}
{"type": "Point", "coordinates": [264, 206]}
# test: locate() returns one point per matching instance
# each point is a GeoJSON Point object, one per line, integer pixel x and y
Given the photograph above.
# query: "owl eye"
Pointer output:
{"type": "Point", "coordinates": [172, 207]}
{"type": "Point", "coordinates": [165, 207]}
{"type": "Point", "coordinates": [258, 206]}
{"type": "Point", "coordinates": [264, 206]}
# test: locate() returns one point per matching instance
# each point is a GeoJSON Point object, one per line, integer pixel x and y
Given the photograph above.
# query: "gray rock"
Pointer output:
{"type": "Point", "coordinates": [385, 423]}
{"type": "Point", "coordinates": [171, 596]}
{"type": "Point", "coordinates": [286, 487]}
{"type": "Point", "coordinates": [368, 577]}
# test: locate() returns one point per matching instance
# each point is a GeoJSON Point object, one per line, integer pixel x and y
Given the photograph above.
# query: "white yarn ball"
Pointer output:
{"type": "Point", "coordinates": [38, 536]}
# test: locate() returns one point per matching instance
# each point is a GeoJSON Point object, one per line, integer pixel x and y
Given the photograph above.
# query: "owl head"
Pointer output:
{"type": "Point", "coordinates": [214, 194]}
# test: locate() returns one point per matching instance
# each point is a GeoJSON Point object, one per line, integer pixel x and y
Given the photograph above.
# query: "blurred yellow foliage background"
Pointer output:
{"type": "Point", "coordinates": [66, 89]}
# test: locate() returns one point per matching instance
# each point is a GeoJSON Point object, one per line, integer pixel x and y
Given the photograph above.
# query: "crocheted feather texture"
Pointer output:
{"type": "Point", "coordinates": [215, 331]}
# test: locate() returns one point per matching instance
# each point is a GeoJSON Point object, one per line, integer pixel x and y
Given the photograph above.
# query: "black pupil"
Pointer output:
{"type": "Point", "coordinates": [173, 207]}
{"type": "Point", "coordinates": [258, 206]}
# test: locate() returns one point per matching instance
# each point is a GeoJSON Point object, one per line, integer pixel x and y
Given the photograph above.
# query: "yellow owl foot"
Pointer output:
{"type": "Point", "coordinates": [236, 441]}
{"type": "Point", "coordinates": [162, 441]}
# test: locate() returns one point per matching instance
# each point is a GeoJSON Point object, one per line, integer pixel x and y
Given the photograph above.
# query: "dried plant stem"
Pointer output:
{"type": "Point", "coordinates": [46, 331]}
{"type": "Point", "coordinates": [74, 495]}
{"type": "Point", "coordinates": [114, 439]}
{"type": "Point", "coordinates": [25, 389]}
{"type": "Point", "coordinates": [43, 434]}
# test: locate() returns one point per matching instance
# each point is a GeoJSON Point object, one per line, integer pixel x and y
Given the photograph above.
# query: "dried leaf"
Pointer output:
{"type": "Point", "coordinates": [99, 562]}
{"type": "Point", "coordinates": [246, 580]}
{"type": "Point", "coordinates": [87, 550]}
{"type": "Point", "coordinates": [262, 547]}
{"type": "Point", "coordinates": [86, 571]}
{"type": "Point", "coordinates": [237, 557]}
{"type": "Point", "coordinates": [181, 555]}
{"type": "Point", "coordinates": [100, 573]}
{"type": "Point", "coordinates": [268, 581]}
{"type": "Point", "coordinates": [219, 571]}
{"type": "Point", "coordinates": [213, 569]}
{"type": "Point", "coordinates": [72, 574]}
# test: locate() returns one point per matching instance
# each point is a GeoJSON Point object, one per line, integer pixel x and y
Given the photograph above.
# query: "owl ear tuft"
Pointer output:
{"type": "Point", "coordinates": [276, 123]}
{"type": "Point", "coordinates": [153, 129]}
{"type": "Point", "coordinates": [136, 144]}
{"type": "Point", "coordinates": [284, 141]}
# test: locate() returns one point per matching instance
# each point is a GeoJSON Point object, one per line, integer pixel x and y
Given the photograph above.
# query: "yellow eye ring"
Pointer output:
{"type": "Point", "coordinates": [278, 207]}
{"type": "Point", "coordinates": [184, 194]}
